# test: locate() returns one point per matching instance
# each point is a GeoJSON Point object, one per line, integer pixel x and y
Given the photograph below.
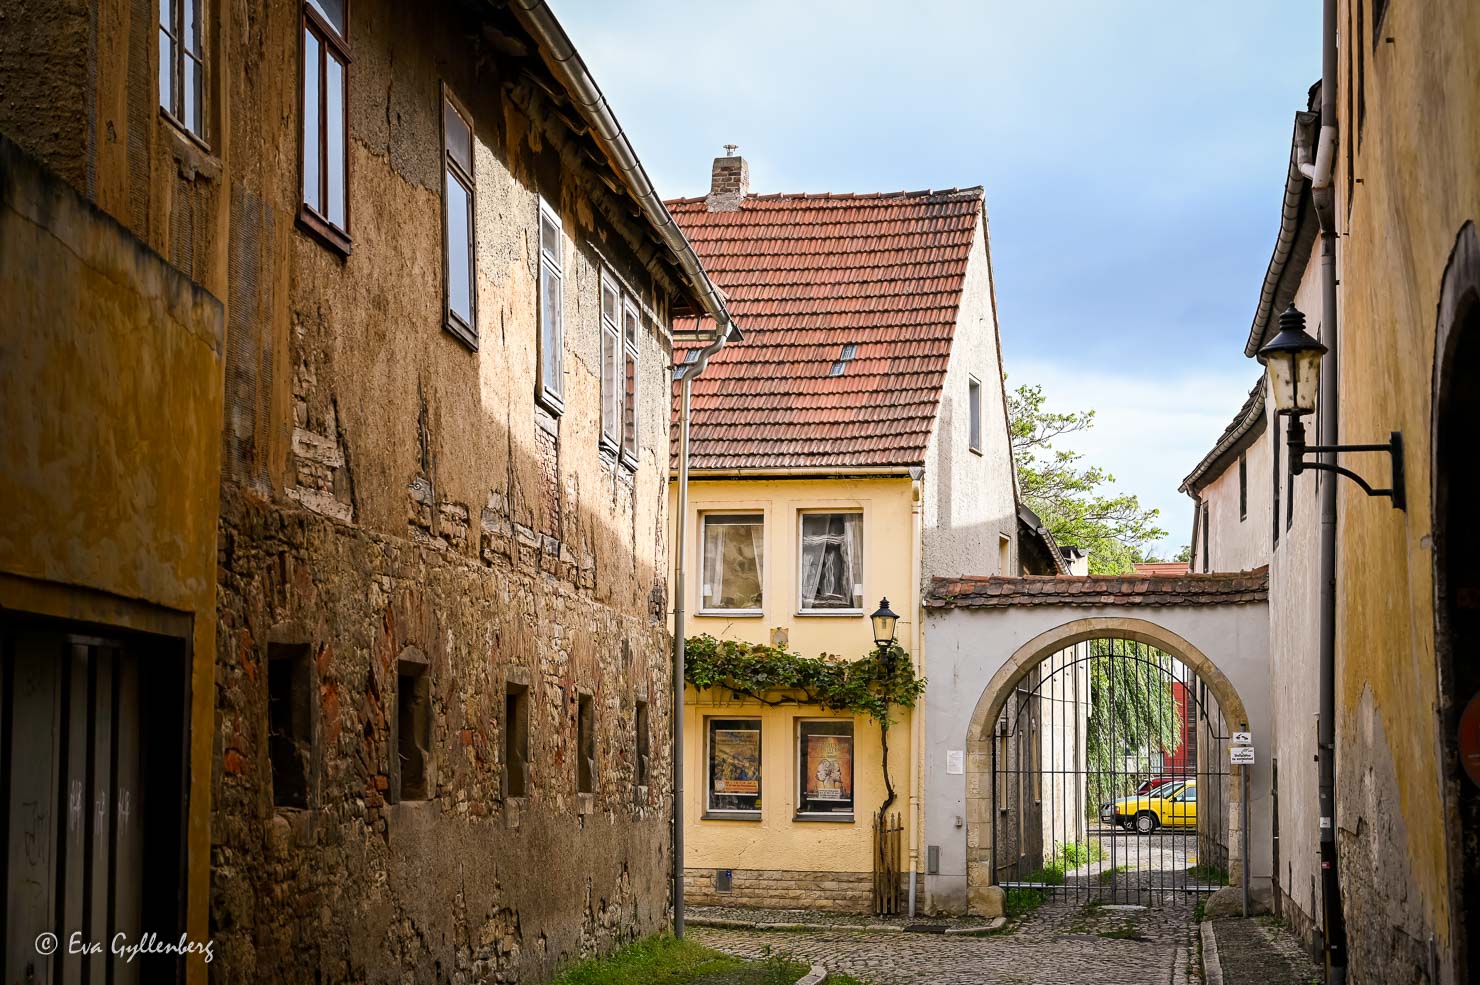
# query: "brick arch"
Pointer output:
{"type": "Point", "coordinates": [979, 815]}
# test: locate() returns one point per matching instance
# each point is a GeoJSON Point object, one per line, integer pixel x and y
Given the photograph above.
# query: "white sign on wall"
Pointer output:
{"type": "Point", "coordinates": [1241, 755]}
{"type": "Point", "coordinates": [955, 762]}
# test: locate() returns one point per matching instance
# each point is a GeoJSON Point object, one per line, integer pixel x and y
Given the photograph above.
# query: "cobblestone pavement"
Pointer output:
{"type": "Point", "coordinates": [1261, 952]}
{"type": "Point", "coordinates": [1058, 944]}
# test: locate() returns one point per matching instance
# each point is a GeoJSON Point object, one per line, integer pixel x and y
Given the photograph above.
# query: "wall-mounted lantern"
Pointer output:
{"type": "Point", "coordinates": [885, 620]}
{"type": "Point", "coordinates": [1292, 360]}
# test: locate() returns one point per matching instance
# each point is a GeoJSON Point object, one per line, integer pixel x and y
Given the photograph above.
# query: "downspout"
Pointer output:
{"type": "Point", "coordinates": [1319, 172]}
{"type": "Point", "coordinates": [686, 376]}
{"type": "Point", "coordinates": [917, 714]}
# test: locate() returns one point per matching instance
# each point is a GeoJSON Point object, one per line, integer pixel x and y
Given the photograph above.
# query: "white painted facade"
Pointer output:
{"type": "Point", "coordinates": [967, 647]}
{"type": "Point", "coordinates": [970, 506]}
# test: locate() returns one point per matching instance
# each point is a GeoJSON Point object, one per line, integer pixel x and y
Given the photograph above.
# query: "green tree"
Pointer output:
{"type": "Point", "coordinates": [1133, 715]}
{"type": "Point", "coordinates": [1076, 501]}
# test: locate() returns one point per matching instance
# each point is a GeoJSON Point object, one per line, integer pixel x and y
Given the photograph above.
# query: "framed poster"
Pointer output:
{"type": "Point", "coordinates": [734, 764]}
{"type": "Point", "coordinates": [825, 766]}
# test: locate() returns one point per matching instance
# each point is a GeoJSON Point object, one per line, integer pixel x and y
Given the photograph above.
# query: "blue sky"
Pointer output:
{"type": "Point", "coordinates": [1133, 155]}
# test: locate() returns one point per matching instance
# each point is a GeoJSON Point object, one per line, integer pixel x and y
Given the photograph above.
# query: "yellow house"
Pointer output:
{"type": "Point", "coordinates": [853, 446]}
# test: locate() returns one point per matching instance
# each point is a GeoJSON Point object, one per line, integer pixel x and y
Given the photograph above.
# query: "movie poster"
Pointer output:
{"type": "Point", "coordinates": [829, 767]}
{"type": "Point", "coordinates": [735, 757]}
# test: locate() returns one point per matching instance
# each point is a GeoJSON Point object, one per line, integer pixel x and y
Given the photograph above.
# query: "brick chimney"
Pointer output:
{"type": "Point", "coordinates": [729, 183]}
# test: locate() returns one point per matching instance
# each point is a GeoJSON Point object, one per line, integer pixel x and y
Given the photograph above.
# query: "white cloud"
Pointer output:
{"type": "Point", "coordinates": [1149, 432]}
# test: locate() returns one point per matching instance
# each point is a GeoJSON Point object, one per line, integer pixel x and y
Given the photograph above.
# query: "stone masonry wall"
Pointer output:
{"type": "Point", "coordinates": [468, 885]}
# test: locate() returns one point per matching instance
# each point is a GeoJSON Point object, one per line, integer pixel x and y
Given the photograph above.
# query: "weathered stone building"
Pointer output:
{"type": "Point", "coordinates": [429, 724]}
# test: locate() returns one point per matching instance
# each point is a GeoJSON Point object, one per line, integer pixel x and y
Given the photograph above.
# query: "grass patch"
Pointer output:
{"type": "Point", "coordinates": [1107, 876]}
{"type": "Point", "coordinates": [1199, 910]}
{"type": "Point", "coordinates": [1072, 854]}
{"type": "Point", "coordinates": [1049, 875]}
{"type": "Point", "coordinates": [1021, 902]}
{"type": "Point", "coordinates": [1208, 875]}
{"type": "Point", "coordinates": [665, 961]}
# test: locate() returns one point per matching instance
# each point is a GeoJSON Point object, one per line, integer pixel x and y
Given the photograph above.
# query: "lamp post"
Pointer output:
{"type": "Point", "coordinates": [1292, 360]}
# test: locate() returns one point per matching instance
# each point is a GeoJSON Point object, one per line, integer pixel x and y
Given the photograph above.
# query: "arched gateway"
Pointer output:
{"type": "Point", "coordinates": [1006, 656]}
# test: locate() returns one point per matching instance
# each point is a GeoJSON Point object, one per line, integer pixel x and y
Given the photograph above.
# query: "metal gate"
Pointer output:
{"type": "Point", "coordinates": [1110, 779]}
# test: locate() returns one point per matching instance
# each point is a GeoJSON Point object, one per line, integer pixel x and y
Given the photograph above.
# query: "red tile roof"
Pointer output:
{"type": "Point", "coordinates": [1230, 588]}
{"type": "Point", "coordinates": [806, 276]}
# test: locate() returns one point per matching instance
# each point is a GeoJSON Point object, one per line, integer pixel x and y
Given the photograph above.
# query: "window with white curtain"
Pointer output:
{"type": "Point", "coordinates": [733, 562]}
{"type": "Point", "coordinates": [832, 562]}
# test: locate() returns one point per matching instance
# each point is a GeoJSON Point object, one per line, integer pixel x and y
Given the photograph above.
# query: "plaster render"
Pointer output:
{"type": "Point", "coordinates": [975, 656]}
{"type": "Point", "coordinates": [970, 500]}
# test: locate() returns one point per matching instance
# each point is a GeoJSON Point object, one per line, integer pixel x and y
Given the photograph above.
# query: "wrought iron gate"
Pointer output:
{"type": "Point", "coordinates": [1110, 779]}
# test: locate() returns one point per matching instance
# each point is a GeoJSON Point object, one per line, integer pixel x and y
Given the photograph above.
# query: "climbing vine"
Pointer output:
{"type": "Point", "coordinates": [774, 676]}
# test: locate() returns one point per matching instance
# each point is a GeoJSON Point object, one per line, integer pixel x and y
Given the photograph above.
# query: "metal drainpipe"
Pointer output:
{"type": "Point", "coordinates": [1329, 396]}
{"type": "Point", "coordinates": [680, 590]}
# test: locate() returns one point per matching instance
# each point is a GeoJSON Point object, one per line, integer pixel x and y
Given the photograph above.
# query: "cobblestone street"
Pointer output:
{"type": "Point", "coordinates": [1058, 944]}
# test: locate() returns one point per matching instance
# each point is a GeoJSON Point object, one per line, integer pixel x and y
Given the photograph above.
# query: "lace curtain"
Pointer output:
{"type": "Point", "coordinates": [832, 561]}
{"type": "Point", "coordinates": [734, 554]}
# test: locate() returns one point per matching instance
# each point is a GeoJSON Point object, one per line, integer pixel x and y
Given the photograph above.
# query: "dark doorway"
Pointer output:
{"type": "Point", "coordinates": [1457, 578]}
{"type": "Point", "coordinates": [92, 771]}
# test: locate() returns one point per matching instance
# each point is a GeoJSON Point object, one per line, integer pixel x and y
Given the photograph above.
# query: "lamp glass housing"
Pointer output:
{"type": "Point", "coordinates": [884, 620]}
{"type": "Point", "coordinates": [1294, 379]}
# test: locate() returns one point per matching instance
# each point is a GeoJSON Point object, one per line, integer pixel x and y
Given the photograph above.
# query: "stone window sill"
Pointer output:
{"type": "Point", "coordinates": [839, 818]}
{"type": "Point", "coordinates": [731, 816]}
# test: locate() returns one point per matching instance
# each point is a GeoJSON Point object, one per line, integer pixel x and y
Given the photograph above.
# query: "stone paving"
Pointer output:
{"type": "Point", "coordinates": [1058, 944]}
{"type": "Point", "coordinates": [1261, 952]}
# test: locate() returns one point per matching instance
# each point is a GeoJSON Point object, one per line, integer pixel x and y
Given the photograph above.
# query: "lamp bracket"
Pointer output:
{"type": "Point", "coordinates": [1393, 446]}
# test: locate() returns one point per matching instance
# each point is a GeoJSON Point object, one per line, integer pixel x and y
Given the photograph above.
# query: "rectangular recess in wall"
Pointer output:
{"type": "Point", "coordinates": [516, 740]}
{"type": "Point", "coordinates": [289, 722]}
{"type": "Point", "coordinates": [644, 748]}
{"type": "Point", "coordinates": [585, 744]}
{"type": "Point", "coordinates": [413, 733]}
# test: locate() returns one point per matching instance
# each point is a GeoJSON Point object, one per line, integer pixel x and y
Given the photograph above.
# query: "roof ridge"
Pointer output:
{"type": "Point", "coordinates": [973, 191]}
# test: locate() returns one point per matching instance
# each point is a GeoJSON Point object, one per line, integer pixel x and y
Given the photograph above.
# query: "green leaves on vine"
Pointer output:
{"type": "Point", "coordinates": [773, 676]}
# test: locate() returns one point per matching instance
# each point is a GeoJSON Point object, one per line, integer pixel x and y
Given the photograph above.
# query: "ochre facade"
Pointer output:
{"type": "Point", "coordinates": [305, 466]}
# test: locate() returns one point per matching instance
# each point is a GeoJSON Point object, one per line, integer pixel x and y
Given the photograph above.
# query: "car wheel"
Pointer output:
{"type": "Point", "coordinates": [1146, 822]}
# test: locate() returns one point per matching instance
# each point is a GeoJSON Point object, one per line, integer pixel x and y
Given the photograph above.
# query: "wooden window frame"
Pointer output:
{"type": "Point", "coordinates": [310, 20]}
{"type": "Point", "coordinates": [174, 110]}
{"type": "Point", "coordinates": [551, 398]}
{"type": "Point", "coordinates": [630, 366]}
{"type": "Point", "coordinates": [802, 609]}
{"type": "Point", "coordinates": [611, 332]}
{"type": "Point", "coordinates": [466, 332]}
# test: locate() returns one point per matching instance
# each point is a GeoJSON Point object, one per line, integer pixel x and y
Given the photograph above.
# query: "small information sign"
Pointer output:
{"type": "Point", "coordinates": [1243, 738]}
{"type": "Point", "coordinates": [955, 761]}
{"type": "Point", "coordinates": [1241, 755]}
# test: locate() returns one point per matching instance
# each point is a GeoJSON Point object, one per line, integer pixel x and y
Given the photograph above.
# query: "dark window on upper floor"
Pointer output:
{"type": "Point", "coordinates": [182, 67]}
{"type": "Point", "coordinates": [1275, 441]}
{"type": "Point", "coordinates": [1205, 537]}
{"type": "Point", "coordinates": [324, 102]}
{"type": "Point", "coordinates": [1243, 488]}
{"type": "Point", "coordinates": [974, 403]}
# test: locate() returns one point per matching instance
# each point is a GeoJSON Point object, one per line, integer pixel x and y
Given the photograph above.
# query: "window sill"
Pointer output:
{"type": "Point", "coordinates": [974, 450]}
{"type": "Point", "coordinates": [629, 462]}
{"type": "Point", "coordinates": [461, 331]}
{"type": "Point", "coordinates": [731, 816]}
{"type": "Point", "coordinates": [732, 613]}
{"type": "Point", "coordinates": [838, 818]}
{"type": "Point", "coordinates": [324, 231]}
{"type": "Point", "coordinates": [186, 132]}
{"type": "Point", "coordinates": [831, 613]}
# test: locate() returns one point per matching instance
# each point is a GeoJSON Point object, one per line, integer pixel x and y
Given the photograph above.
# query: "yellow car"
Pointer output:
{"type": "Point", "coordinates": [1172, 804]}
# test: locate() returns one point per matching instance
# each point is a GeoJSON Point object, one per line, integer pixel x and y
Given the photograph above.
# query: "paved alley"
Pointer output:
{"type": "Point", "coordinates": [1059, 944]}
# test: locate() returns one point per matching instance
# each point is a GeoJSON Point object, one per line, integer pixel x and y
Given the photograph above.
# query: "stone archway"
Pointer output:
{"type": "Point", "coordinates": [979, 810]}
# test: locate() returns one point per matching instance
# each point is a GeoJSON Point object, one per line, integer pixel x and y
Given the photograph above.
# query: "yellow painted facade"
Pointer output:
{"type": "Point", "coordinates": [778, 840]}
{"type": "Point", "coordinates": [1407, 182]}
{"type": "Point", "coordinates": [112, 414]}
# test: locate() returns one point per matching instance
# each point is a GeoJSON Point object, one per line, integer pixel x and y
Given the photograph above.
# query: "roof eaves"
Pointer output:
{"type": "Point", "coordinates": [1247, 425]}
{"type": "Point", "coordinates": [1292, 246]}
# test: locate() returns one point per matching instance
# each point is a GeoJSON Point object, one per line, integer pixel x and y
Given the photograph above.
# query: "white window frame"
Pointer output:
{"type": "Point", "coordinates": [552, 397]}
{"type": "Point", "coordinates": [701, 608]}
{"type": "Point", "coordinates": [862, 562]}
{"type": "Point", "coordinates": [974, 427]}
{"type": "Point", "coordinates": [611, 335]}
{"type": "Point", "coordinates": [796, 769]}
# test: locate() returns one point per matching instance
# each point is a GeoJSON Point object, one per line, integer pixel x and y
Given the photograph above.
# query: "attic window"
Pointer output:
{"type": "Point", "coordinates": [849, 351]}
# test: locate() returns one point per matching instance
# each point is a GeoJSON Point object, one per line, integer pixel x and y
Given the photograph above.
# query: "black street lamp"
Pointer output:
{"type": "Point", "coordinates": [885, 620]}
{"type": "Point", "coordinates": [1292, 360]}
